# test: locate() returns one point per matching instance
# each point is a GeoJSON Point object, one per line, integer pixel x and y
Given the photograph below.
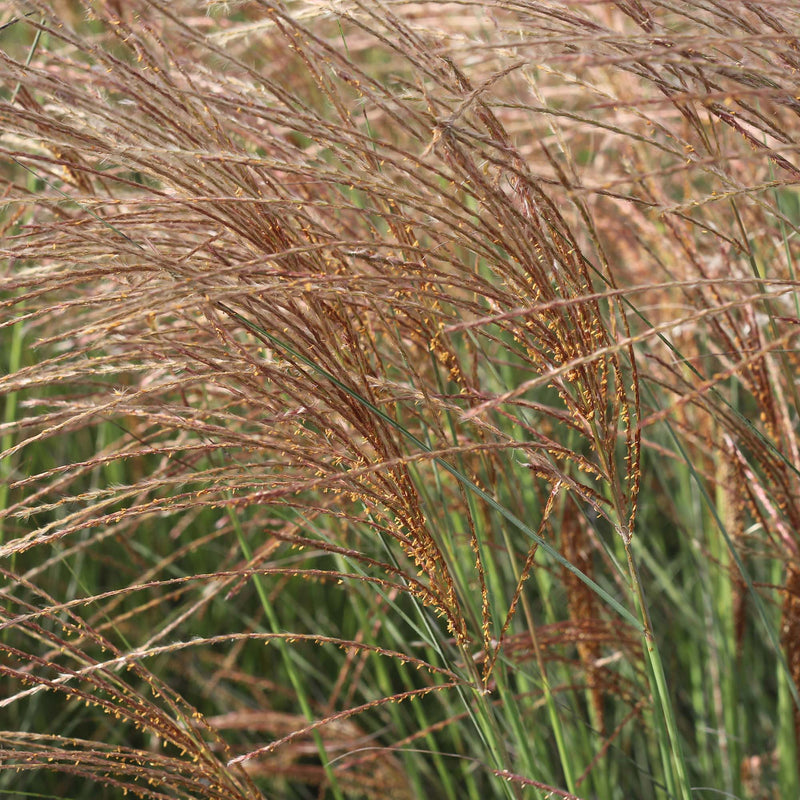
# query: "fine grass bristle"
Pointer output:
{"type": "Point", "coordinates": [400, 399]}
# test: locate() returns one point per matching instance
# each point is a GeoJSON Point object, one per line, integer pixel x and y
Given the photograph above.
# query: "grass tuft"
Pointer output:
{"type": "Point", "coordinates": [400, 399]}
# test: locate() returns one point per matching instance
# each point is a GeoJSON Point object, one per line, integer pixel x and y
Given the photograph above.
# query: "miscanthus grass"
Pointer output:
{"type": "Point", "coordinates": [400, 399]}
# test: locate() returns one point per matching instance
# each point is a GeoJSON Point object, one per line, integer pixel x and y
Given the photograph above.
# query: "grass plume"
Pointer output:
{"type": "Point", "coordinates": [400, 399]}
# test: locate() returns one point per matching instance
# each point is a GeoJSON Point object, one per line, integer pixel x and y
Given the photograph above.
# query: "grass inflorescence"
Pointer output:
{"type": "Point", "coordinates": [400, 399]}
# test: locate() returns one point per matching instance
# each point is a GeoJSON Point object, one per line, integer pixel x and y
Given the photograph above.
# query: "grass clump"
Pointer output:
{"type": "Point", "coordinates": [400, 399]}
